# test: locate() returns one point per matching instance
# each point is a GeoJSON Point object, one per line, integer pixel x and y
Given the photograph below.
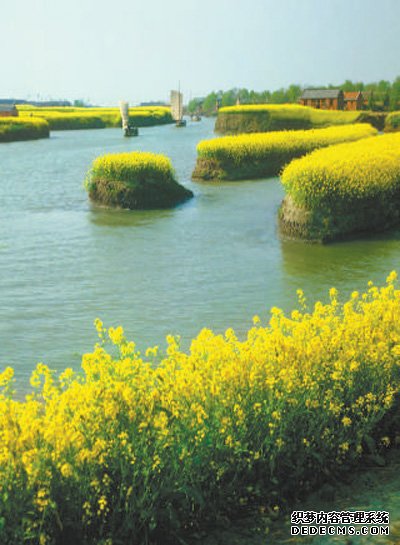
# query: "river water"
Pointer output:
{"type": "Point", "coordinates": [213, 262]}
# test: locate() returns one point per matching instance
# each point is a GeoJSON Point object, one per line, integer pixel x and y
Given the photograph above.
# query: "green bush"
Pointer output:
{"type": "Point", "coordinates": [392, 122]}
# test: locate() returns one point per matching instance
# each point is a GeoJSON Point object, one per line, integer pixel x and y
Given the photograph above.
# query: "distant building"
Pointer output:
{"type": "Point", "coordinates": [51, 103]}
{"type": "Point", "coordinates": [46, 103]}
{"type": "Point", "coordinates": [153, 103]}
{"type": "Point", "coordinates": [8, 110]}
{"type": "Point", "coordinates": [12, 101]}
{"type": "Point", "coordinates": [353, 100]}
{"type": "Point", "coordinates": [323, 99]}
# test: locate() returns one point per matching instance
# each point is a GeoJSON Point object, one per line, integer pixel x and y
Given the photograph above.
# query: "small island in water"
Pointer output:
{"type": "Point", "coordinates": [135, 180]}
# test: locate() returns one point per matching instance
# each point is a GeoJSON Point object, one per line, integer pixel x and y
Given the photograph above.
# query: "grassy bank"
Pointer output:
{"type": "Point", "coordinates": [58, 122]}
{"type": "Point", "coordinates": [131, 452]}
{"type": "Point", "coordinates": [392, 122]}
{"type": "Point", "coordinates": [261, 155]}
{"type": "Point", "coordinates": [15, 128]}
{"type": "Point", "coordinates": [135, 180]}
{"type": "Point", "coordinates": [274, 117]}
{"type": "Point", "coordinates": [92, 118]}
{"type": "Point", "coordinates": [343, 190]}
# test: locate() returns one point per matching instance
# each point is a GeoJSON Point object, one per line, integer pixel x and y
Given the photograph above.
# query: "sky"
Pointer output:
{"type": "Point", "coordinates": [104, 51]}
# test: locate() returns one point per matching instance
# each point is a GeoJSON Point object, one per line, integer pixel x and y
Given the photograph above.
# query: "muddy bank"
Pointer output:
{"type": "Point", "coordinates": [209, 169]}
{"type": "Point", "coordinates": [146, 195]}
{"type": "Point", "coordinates": [337, 221]}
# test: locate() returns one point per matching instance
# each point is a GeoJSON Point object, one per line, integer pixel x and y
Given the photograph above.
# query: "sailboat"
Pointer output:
{"type": "Point", "coordinates": [177, 108]}
{"type": "Point", "coordinates": [127, 127]}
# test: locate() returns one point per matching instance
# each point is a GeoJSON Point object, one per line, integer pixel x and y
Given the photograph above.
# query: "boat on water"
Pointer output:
{"type": "Point", "coordinates": [131, 130]}
{"type": "Point", "coordinates": [128, 128]}
{"type": "Point", "coordinates": [177, 108]}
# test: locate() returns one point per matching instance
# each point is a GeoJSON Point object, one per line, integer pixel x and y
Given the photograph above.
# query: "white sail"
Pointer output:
{"type": "Point", "coordinates": [176, 105]}
{"type": "Point", "coordinates": [124, 109]}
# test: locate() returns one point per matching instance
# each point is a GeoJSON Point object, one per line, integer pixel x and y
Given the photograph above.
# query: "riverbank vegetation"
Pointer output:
{"type": "Point", "coordinates": [65, 118]}
{"type": "Point", "coordinates": [126, 451]}
{"type": "Point", "coordinates": [260, 155]}
{"type": "Point", "coordinates": [15, 128]}
{"type": "Point", "coordinates": [65, 122]}
{"type": "Point", "coordinates": [264, 118]}
{"type": "Point", "coordinates": [343, 190]}
{"type": "Point", "coordinates": [135, 180]}
{"type": "Point", "coordinates": [392, 122]}
{"type": "Point", "coordinates": [380, 96]}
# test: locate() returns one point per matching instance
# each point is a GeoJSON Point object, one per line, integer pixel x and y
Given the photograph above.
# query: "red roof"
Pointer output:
{"type": "Point", "coordinates": [352, 95]}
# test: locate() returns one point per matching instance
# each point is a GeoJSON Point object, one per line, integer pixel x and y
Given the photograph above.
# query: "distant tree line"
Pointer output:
{"type": "Point", "coordinates": [381, 96]}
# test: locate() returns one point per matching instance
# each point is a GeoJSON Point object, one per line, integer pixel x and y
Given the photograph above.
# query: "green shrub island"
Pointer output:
{"type": "Point", "coordinates": [343, 190]}
{"type": "Point", "coordinates": [279, 117]}
{"type": "Point", "coordinates": [135, 180]}
{"type": "Point", "coordinates": [15, 128]}
{"type": "Point", "coordinates": [262, 155]}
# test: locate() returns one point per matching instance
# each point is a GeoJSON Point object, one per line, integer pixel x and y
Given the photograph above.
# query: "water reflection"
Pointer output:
{"type": "Point", "coordinates": [347, 265]}
{"type": "Point", "coordinates": [126, 218]}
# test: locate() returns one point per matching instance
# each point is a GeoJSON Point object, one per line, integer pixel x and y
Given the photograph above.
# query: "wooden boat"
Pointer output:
{"type": "Point", "coordinates": [177, 108]}
{"type": "Point", "coordinates": [128, 128]}
{"type": "Point", "coordinates": [131, 130]}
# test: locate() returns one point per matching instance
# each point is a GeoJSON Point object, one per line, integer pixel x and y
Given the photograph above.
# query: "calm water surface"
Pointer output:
{"type": "Point", "coordinates": [213, 262]}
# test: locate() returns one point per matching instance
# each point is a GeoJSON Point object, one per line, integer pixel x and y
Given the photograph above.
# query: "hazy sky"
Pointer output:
{"type": "Point", "coordinates": [138, 49]}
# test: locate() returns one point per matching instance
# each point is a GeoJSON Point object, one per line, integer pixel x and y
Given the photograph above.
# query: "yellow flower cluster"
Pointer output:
{"type": "Point", "coordinates": [276, 117]}
{"type": "Point", "coordinates": [295, 111]}
{"type": "Point", "coordinates": [124, 449]}
{"type": "Point", "coordinates": [61, 118]}
{"type": "Point", "coordinates": [362, 170]}
{"type": "Point", "coordinates": [131, 166]}
{"type": "Point", "coordinates": [264, 154]}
